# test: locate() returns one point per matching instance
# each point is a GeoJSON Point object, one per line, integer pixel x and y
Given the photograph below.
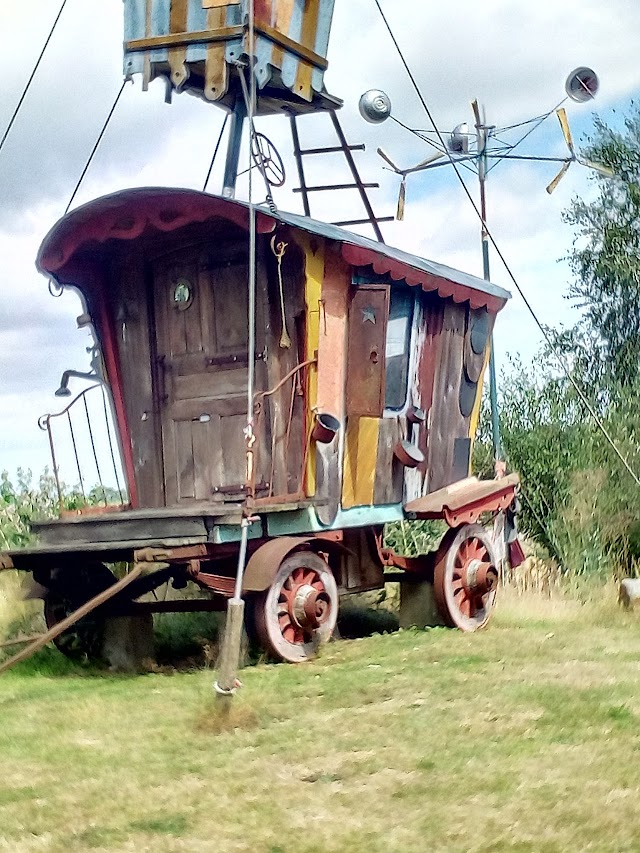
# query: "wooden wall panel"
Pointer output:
{"type": "Point", "coordinates": [332, 367]}
{"type": "Point", "coordinates": [446, 422]}
{"type": "Point", "coordinates": [389, 477]}
{"type": "Point", "coordinates": [360, 459]}
{"type": "Point", "coordinates": [133, 318]}
{"type": "Point", "coordinates": [284, 440]}
{"type": "Point", "coordinates": [314, 262]}
{"type": "Point", "coordinates": [368, 316]}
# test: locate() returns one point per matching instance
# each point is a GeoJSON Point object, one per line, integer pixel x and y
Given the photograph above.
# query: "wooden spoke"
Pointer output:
{"type": "Point", "coordinates": [299, 610]}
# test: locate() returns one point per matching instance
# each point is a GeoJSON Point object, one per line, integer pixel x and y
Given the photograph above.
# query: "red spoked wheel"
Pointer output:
{"type": "Point", "coordinates": [299, 610]}
{"type": "Point", "coordinates": [465, 577]}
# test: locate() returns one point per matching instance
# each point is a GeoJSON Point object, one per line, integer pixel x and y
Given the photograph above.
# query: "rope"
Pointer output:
{"type": "Point", "coordinates": [107, 421]}
{"type": "Point", "coordinates": [279, 252]}
{"type": "Point", "coordinates": [561, 361]}
{"type": "Point", "coordinates": [93, 448]}
{"type": "Point", "coordinates": [75, 453]}
{"type": "Point", "coordinates": [33, 74]}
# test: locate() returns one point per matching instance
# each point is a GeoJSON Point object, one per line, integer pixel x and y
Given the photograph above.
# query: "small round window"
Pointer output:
{"type": "Point", "coordinates": [182, 294]}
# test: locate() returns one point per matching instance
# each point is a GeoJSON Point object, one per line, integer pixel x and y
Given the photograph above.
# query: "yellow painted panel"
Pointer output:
{"type": "Point", "coordinates": [360, 460]}
{"type": "Point", "coordinates": [314, 275]}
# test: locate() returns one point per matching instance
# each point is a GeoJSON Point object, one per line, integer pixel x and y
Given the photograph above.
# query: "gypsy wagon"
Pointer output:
{"type": "Point", "coordinates": [368, 377]}
{"type": "Point", "coordinates": [292, 426]}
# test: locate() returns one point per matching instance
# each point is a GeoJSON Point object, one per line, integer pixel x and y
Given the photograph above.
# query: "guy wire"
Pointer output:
{"type": "Point", "coordinates": [33, 74]}
{"type": "Point", "coordinates": [54, 288]}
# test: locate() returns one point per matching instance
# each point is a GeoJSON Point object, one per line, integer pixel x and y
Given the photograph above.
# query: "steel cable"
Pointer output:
{"type": "Point", "coordinates": [33, 74]}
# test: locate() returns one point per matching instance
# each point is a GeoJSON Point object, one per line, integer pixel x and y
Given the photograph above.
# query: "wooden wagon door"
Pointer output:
{"type": "Point", "coordinates": [202, 345]}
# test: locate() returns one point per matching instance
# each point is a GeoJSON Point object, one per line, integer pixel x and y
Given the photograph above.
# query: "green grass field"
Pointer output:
{"type": "Point", "coordinates": [523, 737]}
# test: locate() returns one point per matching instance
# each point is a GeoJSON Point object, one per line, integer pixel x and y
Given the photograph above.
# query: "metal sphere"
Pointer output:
{"type": "Point", "coordinates": [582, 85]}
{"type": "Point", "coordinates": [375, 106]}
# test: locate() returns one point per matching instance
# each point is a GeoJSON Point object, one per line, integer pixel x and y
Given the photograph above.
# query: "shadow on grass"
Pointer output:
{"type": "Point", "coordinates": [192, 641]}
{"type": "Point", "coordinates": [355, 622]}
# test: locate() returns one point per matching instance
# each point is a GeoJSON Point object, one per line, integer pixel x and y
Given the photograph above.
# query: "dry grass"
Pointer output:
{"type": "Point", "coordinates": [523, 737]}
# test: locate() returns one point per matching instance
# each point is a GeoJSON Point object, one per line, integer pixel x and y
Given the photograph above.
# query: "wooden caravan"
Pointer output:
{"type": "Point", "coordinates": [369, 365]}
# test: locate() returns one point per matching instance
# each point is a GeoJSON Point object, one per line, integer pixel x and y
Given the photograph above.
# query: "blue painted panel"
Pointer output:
{"type": "Point", "coordinates": [306, 520]}
{"type": "Point", "coordinates": [268, 56]}
{"type": "Point", "coordinates": [224, 533]}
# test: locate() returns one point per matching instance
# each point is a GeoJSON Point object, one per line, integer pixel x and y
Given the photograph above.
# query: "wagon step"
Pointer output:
{"type": "Point", "coordinates": [465, 501]}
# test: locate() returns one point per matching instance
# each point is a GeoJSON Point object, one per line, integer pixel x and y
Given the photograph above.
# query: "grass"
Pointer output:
{"type": "Point", "coordinates": [524, 737]}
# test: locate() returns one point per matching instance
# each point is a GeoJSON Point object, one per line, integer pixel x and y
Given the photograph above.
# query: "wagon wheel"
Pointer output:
{"type": "Point", "coordinates": [465, 577]}
{"type": "Point", "coordinates": [69, 591]}
{"type": "Point", "coordinates": [299, 610]}
{"type": "Point", "coordinates": [268, 159]}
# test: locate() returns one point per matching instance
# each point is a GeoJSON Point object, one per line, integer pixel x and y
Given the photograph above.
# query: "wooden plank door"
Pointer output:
{"type": "Point", "coordinates": [368, 317]}
{"type": "Point", "coordinates": [202, 349]}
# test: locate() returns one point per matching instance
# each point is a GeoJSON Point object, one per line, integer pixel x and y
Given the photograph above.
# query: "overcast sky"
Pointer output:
{"type": "Point", "coordinates": [512, 56]}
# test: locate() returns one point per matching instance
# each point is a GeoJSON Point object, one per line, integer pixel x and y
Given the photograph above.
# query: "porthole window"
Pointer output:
{"type": "Point", "coordinates": [182, 294]}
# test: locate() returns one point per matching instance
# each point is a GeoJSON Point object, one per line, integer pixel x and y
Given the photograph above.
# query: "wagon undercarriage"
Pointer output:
{"type": "Point", "coordinates": [292, 583]}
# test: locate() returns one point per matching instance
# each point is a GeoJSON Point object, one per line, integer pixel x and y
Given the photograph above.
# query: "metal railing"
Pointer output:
{"type": "Point", "coordinates": [72, 419]}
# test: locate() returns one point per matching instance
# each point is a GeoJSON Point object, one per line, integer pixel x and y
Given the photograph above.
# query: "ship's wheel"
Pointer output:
{"type": "Point", "coordinates": [268, 160]}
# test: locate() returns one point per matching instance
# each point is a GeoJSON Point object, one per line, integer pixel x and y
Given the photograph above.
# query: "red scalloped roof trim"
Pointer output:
{"type": "Point", "coordinates": [114, 219]}
{"type": "Point", "coordinates": [383, 265]}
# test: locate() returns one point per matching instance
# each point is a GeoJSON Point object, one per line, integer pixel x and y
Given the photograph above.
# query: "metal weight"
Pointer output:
{"type": "Point", "coordinates": [375, 106]}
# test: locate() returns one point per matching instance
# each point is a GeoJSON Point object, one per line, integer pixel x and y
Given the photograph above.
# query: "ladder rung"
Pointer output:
{"type": "Point", "coordinates": [336, 187]}
{"type": "Point", "coordinates": [332, 149]}
{"type": "Point", "coordinates": [364, 221]}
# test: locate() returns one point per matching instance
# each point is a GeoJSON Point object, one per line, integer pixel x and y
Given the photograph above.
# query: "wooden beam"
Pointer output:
{"type": "Point", "coordinates": [177, 39]}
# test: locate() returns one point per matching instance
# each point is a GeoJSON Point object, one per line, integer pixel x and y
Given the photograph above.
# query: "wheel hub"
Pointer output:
{"type": "Point", "coordinates": [310, 608]}
{"type": "Point", "coordinates": [479, 577]}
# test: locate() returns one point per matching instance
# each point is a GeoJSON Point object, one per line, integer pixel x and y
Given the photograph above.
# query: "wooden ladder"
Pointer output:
{"type": "Point", "coordinates": [358, 184]}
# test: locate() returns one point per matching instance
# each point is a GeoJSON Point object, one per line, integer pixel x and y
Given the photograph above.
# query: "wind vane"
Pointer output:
{"type": "Point", "coordinates": [477, 149]}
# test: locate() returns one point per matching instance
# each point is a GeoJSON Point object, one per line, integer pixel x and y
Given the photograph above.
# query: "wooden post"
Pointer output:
{"type": "Point", "coordinates": [62, 626]}
{"type": "Point", "coordinates": [500, 546]}
{"type": "Point", "coordinates": [230, 654]}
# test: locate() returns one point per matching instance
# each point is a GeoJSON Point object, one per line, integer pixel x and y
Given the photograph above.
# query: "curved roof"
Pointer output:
{"type": "Point", "coordinates": [128, 214]}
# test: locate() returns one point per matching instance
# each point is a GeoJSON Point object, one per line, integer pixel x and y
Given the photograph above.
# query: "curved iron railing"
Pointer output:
{"type": "Point", "coordinates": [67, 416]}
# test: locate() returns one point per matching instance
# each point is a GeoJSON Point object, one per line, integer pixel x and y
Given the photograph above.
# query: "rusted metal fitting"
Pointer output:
{"type": "Point", "coordinates": [480, 577]}
{"type": "Point", "coordinates": [151, 555]}
{"type": "Point", "coordinates": [408, 454]}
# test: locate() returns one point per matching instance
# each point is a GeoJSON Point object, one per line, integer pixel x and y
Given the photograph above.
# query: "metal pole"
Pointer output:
{"type": "Point", "coordinates": [233, 149]}
{"type": "Point", "coordinates": [229, 664]}
{"type": "Point", "coordinates": [481, 131]}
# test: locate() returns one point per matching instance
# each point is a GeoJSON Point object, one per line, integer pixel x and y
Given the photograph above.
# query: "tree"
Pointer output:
{"type": "Point", "coordinates": [605, 258]}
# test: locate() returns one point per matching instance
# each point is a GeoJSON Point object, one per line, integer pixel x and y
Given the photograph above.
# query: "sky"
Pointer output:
{"type": "Point", "coordinates": [512, 56]}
